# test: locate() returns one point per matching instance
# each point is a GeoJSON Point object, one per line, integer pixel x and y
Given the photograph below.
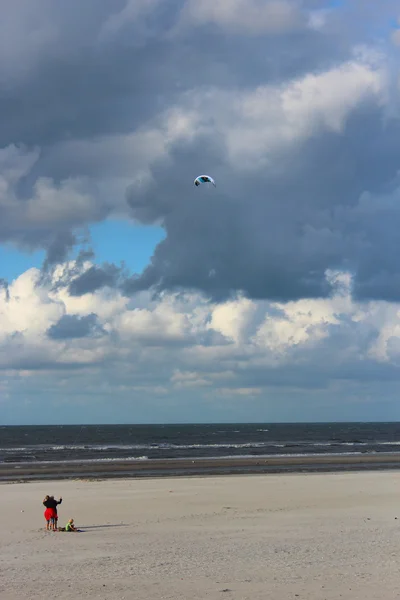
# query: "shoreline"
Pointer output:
{"type": "Point", "coordinates": [200, 467]}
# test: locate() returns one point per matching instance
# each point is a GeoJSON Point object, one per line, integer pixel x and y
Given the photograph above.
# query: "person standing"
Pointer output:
{"type": "Point", "coordinates": [50, 514]}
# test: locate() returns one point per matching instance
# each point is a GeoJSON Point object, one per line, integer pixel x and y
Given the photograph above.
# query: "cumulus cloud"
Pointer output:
{"type": "Point", "coordinates": [241, 348]}
{"type": "Point", "coordinates": [112, 109]}
{"type": "Point", "coordinates": [293, 164]}
{"type": "Point", "coordinates": [50, 214]}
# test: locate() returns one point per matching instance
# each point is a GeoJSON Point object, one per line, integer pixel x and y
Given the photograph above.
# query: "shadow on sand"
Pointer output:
{"type": "Point", "coordinates": [101, 526]}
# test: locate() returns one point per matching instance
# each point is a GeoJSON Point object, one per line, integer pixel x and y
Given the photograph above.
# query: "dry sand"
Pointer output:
{"type": "Point", "coordinates": [314, 536]}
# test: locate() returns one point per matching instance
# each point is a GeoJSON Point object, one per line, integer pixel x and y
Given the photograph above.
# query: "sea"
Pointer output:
{"type": "Point", "coordinates": [107, 443]}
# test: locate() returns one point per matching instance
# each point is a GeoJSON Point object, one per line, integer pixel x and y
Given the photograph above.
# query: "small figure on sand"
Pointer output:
{"type": "Point", "coordinates": [70, 526]}
{"type": "Point", "coordinates": [50, 514]}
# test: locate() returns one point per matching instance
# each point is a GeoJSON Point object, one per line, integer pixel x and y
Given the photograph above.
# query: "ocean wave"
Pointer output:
{"type": "Point", "coordinates": [198, 446]}
{"type": "Point", "coordinates": [180, 459]}
{"type": "Point", "coordinates": [83, 461]}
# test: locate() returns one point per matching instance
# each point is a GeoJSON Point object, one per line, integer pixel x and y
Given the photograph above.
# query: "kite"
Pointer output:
{"type": "Point", "coordinates": [204, 179]}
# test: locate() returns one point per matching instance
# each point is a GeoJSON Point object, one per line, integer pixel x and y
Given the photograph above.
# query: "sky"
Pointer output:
{"type": "Point", "coordinates": [127, 294]}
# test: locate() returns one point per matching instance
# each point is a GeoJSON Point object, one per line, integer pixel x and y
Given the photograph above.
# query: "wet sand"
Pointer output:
{"type": "Point", "coordinates": [312, 536]}
{"type": "Point", "coordinates": [203, 466]}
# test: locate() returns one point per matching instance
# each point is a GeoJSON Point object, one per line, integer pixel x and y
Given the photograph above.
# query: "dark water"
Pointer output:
{"type": "Point", "coordinates": [126, 442]}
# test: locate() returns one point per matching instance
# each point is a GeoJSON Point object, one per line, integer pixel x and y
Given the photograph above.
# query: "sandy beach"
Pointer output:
{"type": "Point", "coordinates": [312, 536]}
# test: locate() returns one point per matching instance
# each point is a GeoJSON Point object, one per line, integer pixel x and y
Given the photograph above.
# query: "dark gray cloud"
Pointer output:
{"type": "Point", "coordinates": [271, 233]}
{"type": "Point", "coordinates": [95, 278]}
{"type": "Point", "coordinates": [59, 248]}
{"type": "Point", "coordinates": [75, 327]}
{"type": "Point", "coordinates": [274, 236]}
{"type": "Point", "coordinates": [91, 84]}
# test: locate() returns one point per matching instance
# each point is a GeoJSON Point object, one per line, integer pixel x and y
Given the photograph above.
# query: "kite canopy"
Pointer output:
{"type": "Point", "coordinates": [204, 179]}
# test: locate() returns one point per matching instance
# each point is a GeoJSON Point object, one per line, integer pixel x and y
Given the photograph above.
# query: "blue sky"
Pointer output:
{"type": "Point", "coordinates": [14, 262]}
{"type": "Point", "coordinates": [116, 241]}
{"type": "Point", "coordinates": [273, 296]}
{"type": "Point", "coordinates": [112, 241]}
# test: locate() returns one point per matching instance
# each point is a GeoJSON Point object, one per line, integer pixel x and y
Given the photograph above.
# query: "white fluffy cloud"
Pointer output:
{"type": "Point", "coordinates": [183, 344]}
{"type": "Point", "coordinates": [257, 125]}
